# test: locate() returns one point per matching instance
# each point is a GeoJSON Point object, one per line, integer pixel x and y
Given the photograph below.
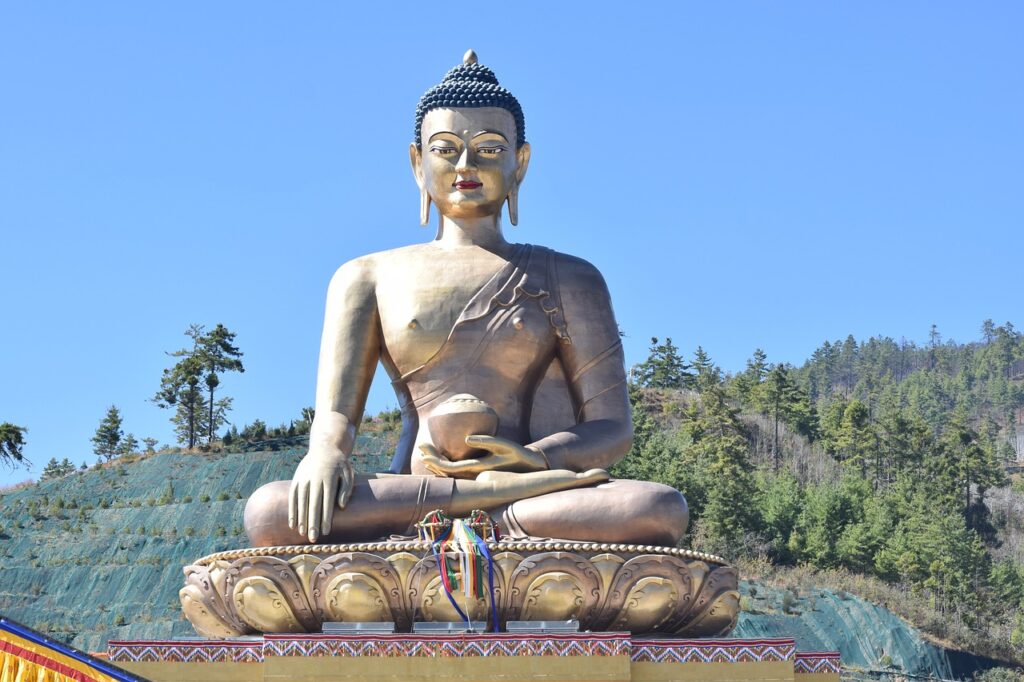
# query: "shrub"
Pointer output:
{"type": "Point", "coordinates": [788, 601]}
{"type": "Point", "coordinates": [204, 498]}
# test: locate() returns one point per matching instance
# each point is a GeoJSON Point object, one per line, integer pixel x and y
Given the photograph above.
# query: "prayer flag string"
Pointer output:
{"type": "Point", "coordinates": [463, 542]}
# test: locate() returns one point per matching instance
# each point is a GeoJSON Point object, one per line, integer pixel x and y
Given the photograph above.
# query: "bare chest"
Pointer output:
{"type": "Point", "coordinates": [419, 302]}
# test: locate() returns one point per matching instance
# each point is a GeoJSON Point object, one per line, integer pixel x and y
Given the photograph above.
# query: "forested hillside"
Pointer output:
{"type": "Point", "coordinates": [878, 469]}
{"type": "Point", "coordinates": [874, 458]}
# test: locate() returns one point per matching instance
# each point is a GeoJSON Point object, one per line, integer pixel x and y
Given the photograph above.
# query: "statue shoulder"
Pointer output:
{"type": "Point", "coordinates": [364, 272]}
{"type": "Point", "coordinates": [356, 272]}
{"type": "Point", "coordinates": [574, 273]}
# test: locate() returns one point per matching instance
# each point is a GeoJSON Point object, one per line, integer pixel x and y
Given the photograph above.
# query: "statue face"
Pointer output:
{"type": "Point", "coordinates": [468, 162]}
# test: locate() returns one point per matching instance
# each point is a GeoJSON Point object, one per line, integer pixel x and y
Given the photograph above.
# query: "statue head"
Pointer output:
{"type": "Point", "coordinates": [470, 152]}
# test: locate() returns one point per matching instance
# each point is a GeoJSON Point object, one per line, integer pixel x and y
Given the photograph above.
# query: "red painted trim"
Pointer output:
{"type": "Point", "coordinates": [703, 643]}
{"type": "Point", "coordinates": [455, 637]}
{"type": "Point", "coordinates": [48, 663]}
{"type": "Point", "coordinates": [179, 642]}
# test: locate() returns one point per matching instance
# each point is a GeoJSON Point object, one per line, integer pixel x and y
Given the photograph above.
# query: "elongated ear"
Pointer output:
{"type": "Point", "coordinates": [522, 162]}
{"type": "Point", "coordinates": [416, 159]}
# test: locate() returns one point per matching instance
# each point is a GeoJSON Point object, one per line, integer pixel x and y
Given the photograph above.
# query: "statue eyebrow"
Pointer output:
{"type": "Point", "coordinates": [441, 132]}
{"type": "Point", "coordinates": [490, 132]}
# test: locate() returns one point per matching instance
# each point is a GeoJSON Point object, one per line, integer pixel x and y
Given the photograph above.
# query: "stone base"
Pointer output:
{"type": "Point", "coordinates": [610, 657]}
{"type": "Point", "coordinates": [632, 588]}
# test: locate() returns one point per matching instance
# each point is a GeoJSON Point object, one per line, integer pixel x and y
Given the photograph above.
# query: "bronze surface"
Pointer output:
{"type": "Point", "coordinates": [641, 589]}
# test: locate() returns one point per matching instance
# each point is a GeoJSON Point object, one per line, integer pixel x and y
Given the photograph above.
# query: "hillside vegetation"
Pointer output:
{"type": "Point", "coordinates": [875, 458]}
{"type": "Point", "coordinates": [876, 470]}
{"type": "Point", "coordinates": [111, 568]}
{"type": "Point", "coordinates": [99, 553]}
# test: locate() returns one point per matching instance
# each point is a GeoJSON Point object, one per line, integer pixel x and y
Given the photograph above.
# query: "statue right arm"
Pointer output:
{"type": "Point", "coordinates": [349, 350]}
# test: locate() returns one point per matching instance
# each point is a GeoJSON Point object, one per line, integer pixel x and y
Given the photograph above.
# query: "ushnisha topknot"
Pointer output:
{"type": "Point", "coordinates": [470, 85]}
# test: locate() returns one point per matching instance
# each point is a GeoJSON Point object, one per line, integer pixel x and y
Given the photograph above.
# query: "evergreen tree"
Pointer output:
{"type": "Point", "coordinates": [129, 445]}
{"type": "Point", "coordinates": [51, 470]}
{"type": "Point", "coordinates": [777, 395]}
{"type": "Point", "coordinates": [218, 355]}
{"type": "Point", "coordinates": [856, 440]}
{"type": "Point", "coordinates": [210, 355]}
{"type": "Point", "coordinates": [708, 375]}
{"type": "Point", "coordinates": [663, 368]}
{"type": "Point", "coordinates": [179, 388]}
{"type": "Point", "coordinates": [961, 462]}
{"type": "Point", "coordinates": [108, 435]}
{"type": "Point", "coordinates": [747, 381]}
{"type": "Point", "coordinates": [717, 453]}
{"type": "Point", "coordinates": [55, 469]}
{"type": "Point", "coordinates": [12, 441]}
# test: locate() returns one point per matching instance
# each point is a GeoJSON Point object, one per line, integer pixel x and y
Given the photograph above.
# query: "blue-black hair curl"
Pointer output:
{"type": "Point", "coordinates": [470, 86]}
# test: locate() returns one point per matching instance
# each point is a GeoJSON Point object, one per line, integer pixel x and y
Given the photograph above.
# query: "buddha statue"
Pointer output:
{"type": "Point", "coordinates": [471, 320]}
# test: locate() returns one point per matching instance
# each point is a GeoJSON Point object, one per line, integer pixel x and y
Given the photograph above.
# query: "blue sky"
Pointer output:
{"type": "Point", "coordinates": [745, 175]}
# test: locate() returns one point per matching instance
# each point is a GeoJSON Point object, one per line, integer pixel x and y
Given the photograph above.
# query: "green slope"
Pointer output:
{"type": "Point", "coordinates": [82, 554]}
{"type": "Point", "coordinates": [873, 641]}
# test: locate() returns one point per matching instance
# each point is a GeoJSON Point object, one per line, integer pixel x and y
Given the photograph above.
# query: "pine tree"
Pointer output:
{"type": "Point", "coordinates": [218, 355]}
{"type": "Point", "coordinates": [663, 368]}
{"type": "Point", "coordinates": [211, 354]}
{"type": "Point", "coordinates": [779, 397]}
{"type": "Point", "coordinates": [747, 381]}
{"type": "Point", "coordinates": [51, 470]}
{"type": "Point", "coordinates": [55, 469]}
{"type": "Point", "coordinates": [108, 435]}
{"type": "Point", "coordinates": [719, 446]}
{"type": "Point", "coordinates": [961, 461]}
{"type": "Point", "coordinates": [12, 441]}
{"type": "Point", "coordinates": [708, 375]}
{"type": "Point", "coordinates": [129, 445]}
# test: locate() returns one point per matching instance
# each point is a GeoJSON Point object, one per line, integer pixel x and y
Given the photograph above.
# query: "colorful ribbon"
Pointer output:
{"type": "Point", "coordinates": [457, 537]}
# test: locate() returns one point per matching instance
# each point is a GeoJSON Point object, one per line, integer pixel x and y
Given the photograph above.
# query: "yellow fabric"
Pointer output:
{"type": "Point", "coordinates": [14, 668]}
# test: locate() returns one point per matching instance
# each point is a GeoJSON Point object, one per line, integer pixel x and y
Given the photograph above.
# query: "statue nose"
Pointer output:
{"type": "Point", "coordinates": [466, 161]}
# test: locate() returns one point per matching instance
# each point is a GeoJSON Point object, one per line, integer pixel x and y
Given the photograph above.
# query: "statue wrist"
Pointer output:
{"type": "Point", "coordinates": [534, 448]}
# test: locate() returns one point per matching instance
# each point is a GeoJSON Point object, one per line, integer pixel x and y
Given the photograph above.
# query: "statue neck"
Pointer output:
{"type": "Point", "coordinates": [484, 232]}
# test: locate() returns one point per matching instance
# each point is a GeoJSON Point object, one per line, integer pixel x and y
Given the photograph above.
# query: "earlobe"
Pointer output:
{"type": "Point", "coordinates": [513, 205]}
{"type": "Point", "coordinates": [416, 158]}
{"type": "Point", "coordinates": [424, 207]}
{"type": "Point", "coordinates": [522, 163]}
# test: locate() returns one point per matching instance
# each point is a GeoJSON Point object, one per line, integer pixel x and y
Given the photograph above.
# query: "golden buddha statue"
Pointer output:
{"type": "Point", "coordinates": [508, 367]}
{"type": "Point", "coordinates": [522, 330]}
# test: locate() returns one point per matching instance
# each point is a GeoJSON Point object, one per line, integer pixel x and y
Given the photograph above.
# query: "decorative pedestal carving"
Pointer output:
{"type": "Point", "coordinates": [635, 588]}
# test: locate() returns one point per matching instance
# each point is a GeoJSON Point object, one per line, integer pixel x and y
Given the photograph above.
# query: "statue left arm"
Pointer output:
{"type": "Point", "coordinates": [595, 372]}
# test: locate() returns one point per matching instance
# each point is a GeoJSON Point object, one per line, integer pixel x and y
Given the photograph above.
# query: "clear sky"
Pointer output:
{"type": "Point", "coordinates": [744, 174]}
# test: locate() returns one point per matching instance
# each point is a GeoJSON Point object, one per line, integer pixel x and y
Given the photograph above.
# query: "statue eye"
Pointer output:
{"type": "Point", "coordinates": [491, 151]}
{"type": "Point", "coordinates": [444, 151]}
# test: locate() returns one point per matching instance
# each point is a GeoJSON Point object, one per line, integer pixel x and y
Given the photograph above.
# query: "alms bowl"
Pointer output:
{"type": "Point", "coordinates": [457, 417]}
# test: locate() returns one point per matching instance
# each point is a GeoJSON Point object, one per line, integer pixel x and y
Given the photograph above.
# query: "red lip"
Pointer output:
{"type": "Point", "coordinates": [468, 184]}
